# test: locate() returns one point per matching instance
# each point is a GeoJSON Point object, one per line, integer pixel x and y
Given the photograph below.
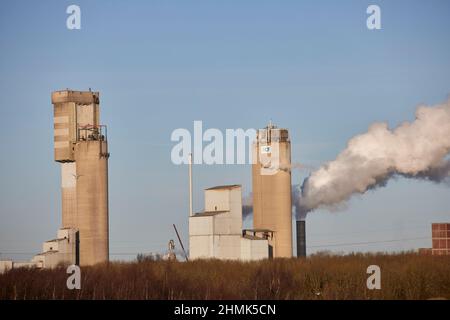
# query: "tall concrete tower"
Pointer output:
{"type": "Point", "coordinates": [80, 145]}
{"type": "Point", "coordinates": [272, 203]}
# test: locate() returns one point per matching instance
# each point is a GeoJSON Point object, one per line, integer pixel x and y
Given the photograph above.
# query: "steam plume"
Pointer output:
{"type": "Point", "coordinates": [415, 150]}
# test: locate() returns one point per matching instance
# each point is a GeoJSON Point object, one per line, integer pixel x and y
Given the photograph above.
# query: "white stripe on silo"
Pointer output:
{"type": "Point", "coordinates": [61, 144]}
{"type": "Point", "coordinates": [61, 132]}
{"type": "Point", "coordinates": [61, 119]}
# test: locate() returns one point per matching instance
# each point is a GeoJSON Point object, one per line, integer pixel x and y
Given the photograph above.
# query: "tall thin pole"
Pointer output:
{"type": "Point", "coordinates": [190, 185]}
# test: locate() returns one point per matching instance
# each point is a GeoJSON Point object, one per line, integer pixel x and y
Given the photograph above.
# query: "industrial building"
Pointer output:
{"type": "Point", "coordinates": [81, 149]}
{"type": "Point", "coordinates": [440, 239]}
{"type": "Point", "coordinates": [271, 179]}
{"type": "Point", "coordinates": [63, 250]}
{"type": "Point", "coordinates": [217, 231]}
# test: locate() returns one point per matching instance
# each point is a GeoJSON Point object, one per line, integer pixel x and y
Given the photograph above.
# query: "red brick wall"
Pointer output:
{"type": "Point", "coordinates": [441, 238]}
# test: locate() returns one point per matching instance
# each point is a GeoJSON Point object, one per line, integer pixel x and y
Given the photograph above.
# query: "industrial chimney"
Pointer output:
{"type": "Point", "coordinates": [301, 238]}
{"type": "Point", "coordinates": [272, 202]}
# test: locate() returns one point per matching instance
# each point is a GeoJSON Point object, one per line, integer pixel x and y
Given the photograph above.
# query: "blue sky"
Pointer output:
{"type": "Point", "coordinates": [310, 66]}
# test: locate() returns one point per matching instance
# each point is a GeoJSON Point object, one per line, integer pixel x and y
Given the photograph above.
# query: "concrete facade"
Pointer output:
{"type": "Point", "coordinates": [254, 249]}
{"type": "Point", "coordinates": [271, 178]}
{"type": "Point", "coordinates": [217, 231]}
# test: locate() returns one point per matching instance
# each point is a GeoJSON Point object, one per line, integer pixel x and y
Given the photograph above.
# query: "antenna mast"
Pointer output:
{"type": "Point", "coordinates": [190, 185]}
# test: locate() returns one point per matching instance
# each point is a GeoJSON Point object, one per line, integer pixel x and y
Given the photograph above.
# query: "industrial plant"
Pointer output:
{"type": "Point", "coordinates": [217, 232]}
{"type": "Point", "coordinates": [81, 149]}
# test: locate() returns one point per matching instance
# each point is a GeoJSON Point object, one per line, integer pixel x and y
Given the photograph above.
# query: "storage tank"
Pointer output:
{"type": "Point", "coordinates": [272, 203]}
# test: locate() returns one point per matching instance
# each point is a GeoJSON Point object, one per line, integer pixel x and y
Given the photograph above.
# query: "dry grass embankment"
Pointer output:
{"type": "Point", "coordinates": [404, 276]}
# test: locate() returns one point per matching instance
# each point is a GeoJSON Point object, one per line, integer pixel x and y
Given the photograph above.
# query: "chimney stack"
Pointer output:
{"type": "Point", "coordinates": [301, 238]}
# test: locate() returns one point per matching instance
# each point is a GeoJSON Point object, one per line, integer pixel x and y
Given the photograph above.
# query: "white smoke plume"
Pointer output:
{"type": "Point", "coordinates": [419, 149]}
{"type": "Point", "coordinates": [247, 201]}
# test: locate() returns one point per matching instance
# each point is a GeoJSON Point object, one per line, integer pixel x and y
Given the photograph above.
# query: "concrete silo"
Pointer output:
{"type": "Point", "coordinates": [92, 200]}
{"type": "Point", "coordinates": [80, 145]}
{"type": "Point", "coordinates": [272, 203]}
